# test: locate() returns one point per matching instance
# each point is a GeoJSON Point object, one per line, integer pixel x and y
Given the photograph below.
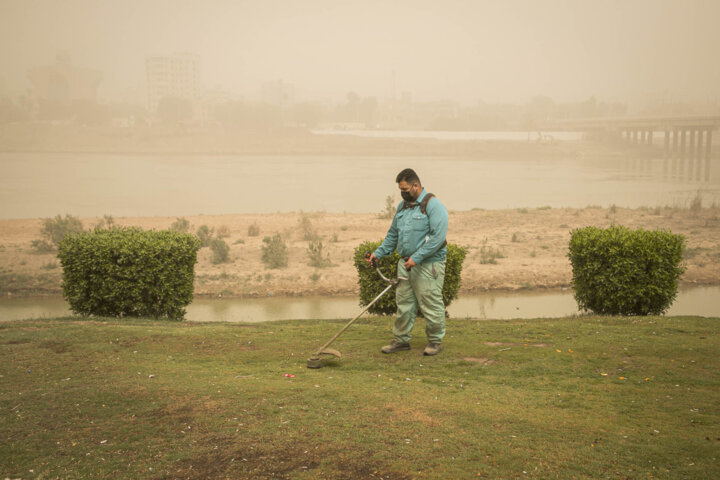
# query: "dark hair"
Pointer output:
{"type": "Point", "coordinates": [408, 175]}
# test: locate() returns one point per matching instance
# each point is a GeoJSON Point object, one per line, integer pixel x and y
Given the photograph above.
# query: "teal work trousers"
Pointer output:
{"type": "Point", "coordinates": [422, 290]}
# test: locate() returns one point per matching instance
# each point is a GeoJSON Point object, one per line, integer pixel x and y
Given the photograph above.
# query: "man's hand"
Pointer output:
{"type": "Point", "coordinates": [372, 259]}
{"type": "Point", "coordinates": [409, 263]}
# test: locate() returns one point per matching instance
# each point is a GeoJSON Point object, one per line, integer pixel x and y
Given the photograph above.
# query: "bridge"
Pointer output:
{"type": "Point", "coordinates": [687, 140]}
{"type": "Point", "coordinates": [684, 135]}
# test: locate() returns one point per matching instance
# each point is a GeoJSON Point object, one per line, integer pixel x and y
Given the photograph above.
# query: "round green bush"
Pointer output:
{"type": "Point", "coordinates": [618, 271]}
{"type": "Point", "coordinates": [128, 272]}
{"type": "Point", "coordinates": [371, 284]}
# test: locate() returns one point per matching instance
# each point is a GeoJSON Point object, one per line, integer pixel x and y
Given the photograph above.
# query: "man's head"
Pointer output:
{"type": "Point", "coordinates": [409, 185]}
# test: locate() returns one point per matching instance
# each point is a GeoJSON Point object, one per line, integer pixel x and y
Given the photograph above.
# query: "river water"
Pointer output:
{"type": "Point", "coordinates": [41, 185]}
{"type": "Point", "coordinates": [702, 301]}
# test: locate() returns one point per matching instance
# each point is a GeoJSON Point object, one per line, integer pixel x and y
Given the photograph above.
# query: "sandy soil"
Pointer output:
{"type": "Point", "coordinates": [532, 244]}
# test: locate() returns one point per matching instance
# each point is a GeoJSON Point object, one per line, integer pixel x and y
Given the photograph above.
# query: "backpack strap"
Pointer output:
{"type": "Point", "coordinates": [423, 204]}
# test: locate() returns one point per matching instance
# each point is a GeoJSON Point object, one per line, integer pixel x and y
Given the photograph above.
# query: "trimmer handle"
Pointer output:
{"type": "Point", "coordinates": [373, 262]}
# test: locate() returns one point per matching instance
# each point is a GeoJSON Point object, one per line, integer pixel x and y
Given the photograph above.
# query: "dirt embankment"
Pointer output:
{"type": "Point", "coordinates": [507, 249]}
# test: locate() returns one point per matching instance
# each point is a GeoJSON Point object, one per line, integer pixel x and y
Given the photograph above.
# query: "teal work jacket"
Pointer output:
{"type": "Point", "coordinates": [416, 235]}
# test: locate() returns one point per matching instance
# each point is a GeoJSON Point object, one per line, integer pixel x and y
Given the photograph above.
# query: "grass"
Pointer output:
{"type": "Point", "coordinates": [488, 255]}
{"type": "Point", "coordinates": [586, 397]}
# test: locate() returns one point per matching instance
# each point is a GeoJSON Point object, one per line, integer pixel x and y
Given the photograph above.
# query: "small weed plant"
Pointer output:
{"type": "Point", "coordinates": [489, 255]}
{"type": "Point", "coordinates": [696, 204]}
{"type": "Point", "coordinates": [274, 252]}
{"type": "Point", "coordinates": [390, 208]}
{"type": "Point", "coordinates": [316, 256]}
{"type": "Point", "coordinates": [181, 225]}
{"type": "Point", "coordinates": [220, 251]}
{"type": "Point", "coordinates": [54, 230]}
{"type": "Point", "coordinates": [105, 223]}
{"type": "Point", "coordinates": [253, 230]}
{"type": "Point", "coordinates": [204, 233]}
{"type": "Point", "coordinates": [222, 231]}
{"type": "Point", "coordinates": [306, 228]}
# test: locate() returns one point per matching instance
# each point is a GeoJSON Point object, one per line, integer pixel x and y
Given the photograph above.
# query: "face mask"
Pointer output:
{"type": "Point", "coordinates": [407, 196]}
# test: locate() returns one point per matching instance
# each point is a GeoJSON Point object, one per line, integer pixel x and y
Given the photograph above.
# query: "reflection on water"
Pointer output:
{"type": "Point", "coordinates": [516, 136]}
{"type": "Point", "coordinates": [702, 301]}
{"type": "Point", "coordinates": [36, 185]}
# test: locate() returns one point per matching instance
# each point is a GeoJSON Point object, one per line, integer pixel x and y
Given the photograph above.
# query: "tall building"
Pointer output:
{"type": "Point", "coordinates": [63, 83]}
{"type": "Point", "coordinates": [175, 76]}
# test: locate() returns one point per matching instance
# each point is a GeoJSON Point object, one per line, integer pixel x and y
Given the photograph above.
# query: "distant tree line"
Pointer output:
{"type": "Point", "coordinates": [355, 110]}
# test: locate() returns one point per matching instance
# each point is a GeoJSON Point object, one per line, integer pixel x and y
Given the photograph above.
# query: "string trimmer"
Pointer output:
{"type": "Point", "coordinates": [315, 361]}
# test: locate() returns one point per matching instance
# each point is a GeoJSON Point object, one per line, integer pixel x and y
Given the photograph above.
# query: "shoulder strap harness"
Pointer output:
{"type": "Point", "coordinates": [422, 205]}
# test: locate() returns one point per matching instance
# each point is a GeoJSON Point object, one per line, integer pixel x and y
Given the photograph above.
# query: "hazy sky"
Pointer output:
{"type": "Point", "coordinates": [495, 51]}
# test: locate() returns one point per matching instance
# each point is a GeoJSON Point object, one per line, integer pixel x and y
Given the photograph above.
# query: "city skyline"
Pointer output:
{"type": "Point", "coordinates": [509, 52]}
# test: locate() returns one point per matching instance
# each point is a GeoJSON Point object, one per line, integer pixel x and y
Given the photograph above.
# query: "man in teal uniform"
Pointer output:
{"type": "Point", "coordinates": [418, 232]}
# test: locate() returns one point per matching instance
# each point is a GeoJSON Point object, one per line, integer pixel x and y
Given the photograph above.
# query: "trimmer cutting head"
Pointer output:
{"type": "Point", "coordinates": [316, 362]}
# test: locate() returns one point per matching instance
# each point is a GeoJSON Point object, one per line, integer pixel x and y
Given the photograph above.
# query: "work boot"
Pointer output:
{"type": "Point", "coordinates": [432, 348]}
{"type": "Point", "coordinates": [395, 346]}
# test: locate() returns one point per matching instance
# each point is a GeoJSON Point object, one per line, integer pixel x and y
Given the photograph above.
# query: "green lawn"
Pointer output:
{"type": "Point", "coordinates": [587, 397]}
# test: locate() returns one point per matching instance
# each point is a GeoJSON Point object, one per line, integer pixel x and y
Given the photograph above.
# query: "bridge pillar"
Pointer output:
{"type": "Point", "coordinates": [708, 147]}
{"type": "Point", "coordinates": [708, 143]}
{"type": "Point", "coordinates": [683, 152]}
{"type": "Point", "coordinates": [673, 153]}
{"type": "Point", "coordinates": [691, 143]}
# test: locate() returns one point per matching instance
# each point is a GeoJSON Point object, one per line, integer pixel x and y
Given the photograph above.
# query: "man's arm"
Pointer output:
{"type": "Point", "coordinates": [438, 218]}
{"type": "Point", "coordinates": [388, 245]}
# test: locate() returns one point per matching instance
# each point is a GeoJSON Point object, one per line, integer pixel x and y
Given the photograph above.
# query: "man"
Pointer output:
{"type": "Point", "coordinates": [418, 232]}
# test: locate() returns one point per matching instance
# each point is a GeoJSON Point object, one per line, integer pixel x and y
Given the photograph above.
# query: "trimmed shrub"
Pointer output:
{"type": "Point", "coordinates": [274, 252]}
{"type": "Point", "coordinates": [371, 284]}
{"type": "Point", "coordinates": [618, 271]}
{"type": "Point", "coordinates": [220, 250]}
{"type": "Point", "coordinates": [128, 272]}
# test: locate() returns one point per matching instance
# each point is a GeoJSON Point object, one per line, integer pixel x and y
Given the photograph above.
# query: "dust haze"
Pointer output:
{"type": "Point", "coordinates": [635, 52]}
{"type": "Point", "coordinates": [184, 107]}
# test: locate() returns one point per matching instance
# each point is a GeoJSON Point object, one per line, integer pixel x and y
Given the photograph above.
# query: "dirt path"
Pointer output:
{"type": "Point", "coordinates": [528, 246]}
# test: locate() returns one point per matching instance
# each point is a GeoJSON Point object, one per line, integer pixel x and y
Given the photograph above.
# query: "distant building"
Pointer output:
{"type": "Point", "coordinates": [209, 101]}
{"type": "Point", "coordinates": [64, 83]}
{"type": "Point", "coordinates": [278, 93]}
{"type": "Point", "coordinates": [173, 76]}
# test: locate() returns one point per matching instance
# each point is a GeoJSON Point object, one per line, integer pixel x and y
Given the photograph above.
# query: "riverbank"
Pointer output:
{"type": "Point", "coordinates": [509, 249]}
{"type": "Point", "coordinates": [183, 141]}
{"type": "Point", "coordinates": [582, 397]}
